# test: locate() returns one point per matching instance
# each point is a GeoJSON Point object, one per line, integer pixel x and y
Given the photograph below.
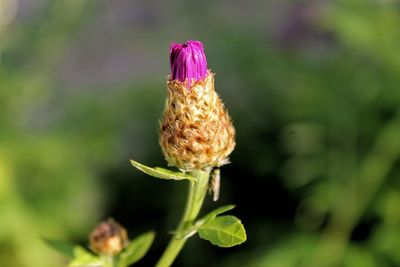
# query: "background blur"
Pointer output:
{"type": "Point", "coordinates": [312, 86]}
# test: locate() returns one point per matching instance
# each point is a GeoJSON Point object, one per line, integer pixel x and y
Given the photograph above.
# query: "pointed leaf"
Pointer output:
{"type": "Point", "coordinates": [223, 231]}
{"type": "Point", "coordinates": [136, 249]}
{"type": "Point", "coordinates": [62, 247]}
{"type": "Point", "coordinates": [162, 173]}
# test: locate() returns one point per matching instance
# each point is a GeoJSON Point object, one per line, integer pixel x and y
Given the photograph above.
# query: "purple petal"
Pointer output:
{"type": "Point", "coordinates": [188, 61]}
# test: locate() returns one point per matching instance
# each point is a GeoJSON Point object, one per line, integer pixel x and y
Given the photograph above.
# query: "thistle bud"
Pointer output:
{"type": "Point", "coordinates": [196, 131]}
{"type": "Point", "coordinates": [108, 238]}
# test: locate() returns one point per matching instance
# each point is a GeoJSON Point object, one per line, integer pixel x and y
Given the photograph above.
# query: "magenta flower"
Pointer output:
{"type": "Point", "coordinates": [188, 61]}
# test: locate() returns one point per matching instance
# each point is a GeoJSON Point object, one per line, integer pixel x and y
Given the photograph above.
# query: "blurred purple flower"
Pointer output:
{"type": "Point", "coordinates": [302, 26]}
{"type": "Point", "coordinates": [188, 61]}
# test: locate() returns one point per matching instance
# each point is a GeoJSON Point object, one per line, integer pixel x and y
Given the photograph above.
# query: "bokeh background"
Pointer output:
{"type": "Point", "coordinates": [312, 87]}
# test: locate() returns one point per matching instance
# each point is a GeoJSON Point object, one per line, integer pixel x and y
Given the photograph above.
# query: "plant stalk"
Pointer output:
{"type": "Point", "coordinates": [196, 195]}
{"type": "Point", "coordinates": [108, 260]}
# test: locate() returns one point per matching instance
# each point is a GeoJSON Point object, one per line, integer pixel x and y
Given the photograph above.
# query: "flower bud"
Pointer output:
{"type": "Point", "coordinates": [108, 238]}
{"type": "Point", "coordinates": [196, 131]}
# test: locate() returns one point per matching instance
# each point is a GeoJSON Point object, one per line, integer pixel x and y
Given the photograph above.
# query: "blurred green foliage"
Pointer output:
{"type": "Point", "coordinates": [312, 86]}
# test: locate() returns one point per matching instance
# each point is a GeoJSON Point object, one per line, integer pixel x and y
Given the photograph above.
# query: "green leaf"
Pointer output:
{"type": "Point", "coordinates": [223, 231]}
{"type": "Point", "coordinates": [62, 247]}
{"type": "Point", "coordinates": [162, 173]}
{"type": "Point", "coordinates": [136, 249]}
{"type": "Point", "coordinates": [214, 214]}
{"type": "Point", "coordinates": [188, 232]}
{"type": "Point", "coordinates": [84, 258]}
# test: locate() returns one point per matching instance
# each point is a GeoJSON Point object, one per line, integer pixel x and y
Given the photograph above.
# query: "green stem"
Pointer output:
{"type": "Point", "coordinates": [108, 260]}
{"type": "Point", "coordinates": [197, 193]}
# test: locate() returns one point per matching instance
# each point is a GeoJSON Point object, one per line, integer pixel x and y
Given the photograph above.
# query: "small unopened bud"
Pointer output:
{"type": "Point", "coordinates": [108, 238]}
{"type": "Point", "coordinates": [196, 131]}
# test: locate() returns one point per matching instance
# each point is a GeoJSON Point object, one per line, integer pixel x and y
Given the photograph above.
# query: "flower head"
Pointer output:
{"type": "Point", "coordinates": [108, 238]}
{"type": "Point", "coordinates": [188, 61]}
{"type": "Point", "coordinates": [196, 131]}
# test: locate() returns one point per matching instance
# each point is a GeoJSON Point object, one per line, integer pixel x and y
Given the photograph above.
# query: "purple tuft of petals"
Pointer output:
{"type": "Point", "coordinates": [188, 61]}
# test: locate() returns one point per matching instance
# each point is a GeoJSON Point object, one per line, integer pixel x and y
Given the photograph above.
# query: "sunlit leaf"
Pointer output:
{"type": "Point", "coordinates": [161, 172]}
{"type": "Point", "coordinates": [223, 231]}
{"type": "Point", "coordinates": [136, 249]}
